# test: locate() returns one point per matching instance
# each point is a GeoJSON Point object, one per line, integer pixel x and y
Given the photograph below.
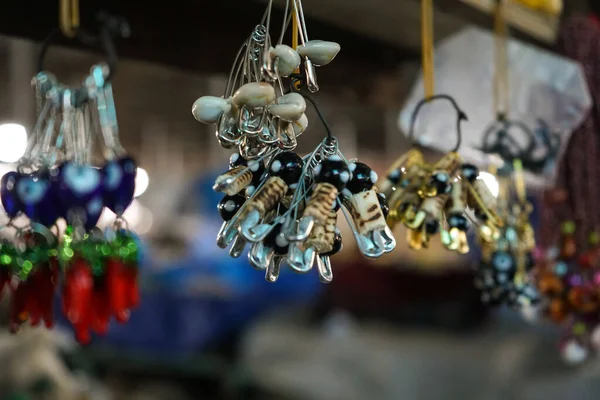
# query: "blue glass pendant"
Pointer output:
{"type": "Point", "coordinates": [9, 195]}
{"type": "Point", "coordinates": [37, 199]}
{"type": "Point", "coordinates": [80, 193]}
{"type": "Point", "coordinates": [119, 184]}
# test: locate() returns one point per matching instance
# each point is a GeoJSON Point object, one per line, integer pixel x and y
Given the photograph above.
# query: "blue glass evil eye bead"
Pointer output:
{"type": "Point", "coordinates": [37, 198]}
{"type": "Point", "coordinates": [287, 166]}
{"type": "Point", "coordinates": [363, 178]}
{"type": "Point", "coordinates": [119, 184]}
{"type": "Point", "coordinates": [9, 195]}
{"type": "Point", "coordinates": [334, 171]}
{"type": "Point", "coordinates": [80, 190]}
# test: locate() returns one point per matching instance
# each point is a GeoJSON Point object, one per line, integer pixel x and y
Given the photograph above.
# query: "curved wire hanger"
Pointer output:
{"type": "Point", "coordinates": [502, 129]}
{"type": "Point", "coordinates": [429, 77]}
{"type": "Point", "coordinates": [110, 27]}
{"type": "Point", "coordinates": [460, 117]}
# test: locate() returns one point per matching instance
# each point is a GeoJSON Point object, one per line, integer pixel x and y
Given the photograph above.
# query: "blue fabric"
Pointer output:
{"type": "Point", "coordinates": [193, 301]}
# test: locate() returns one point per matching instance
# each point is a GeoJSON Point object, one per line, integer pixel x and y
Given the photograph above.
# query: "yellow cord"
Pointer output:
{"type": "Point", "coordinates": [501, 84]}
{"type": "Point", "coordinates": [427, 47]}
{"type": "Point", "coordinates": [295, 27]}
{"type": "Point", "coordinates": [294, 30]}
{"type": "Point", "coordinates": [520, 181]}
{"type": "Point", "coordinates": [69, 17]}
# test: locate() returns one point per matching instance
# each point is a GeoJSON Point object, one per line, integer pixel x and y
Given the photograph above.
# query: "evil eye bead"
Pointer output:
{"type": "Point", "coordinates": [8, 194]}
{"type": "Point", "coordinates": [441, 182]}
{"type": "Point", "coordinates": [230, 205]}
{"type": "Point", "coordinates": [337, 245]}
{"type": "Point", "coordinates": [80, 181]}
{"type": "Point", "coordinates": [333, 170]}
{"type": "Point", "coordinates": [277, 241]}
{"type": "Point", "coordinates": [287, 166]}
{"type": "Point", "coordinates": [383, 204]}
{"type": "Point", "coordinates": [503, 265]}
{"type": "Point", "coordinates": [119, 184]}
{"type": "Point", "coordinates": [36, 198]}
{"type": "Point", "coordinates": [363, 178]}
{"type": "Point", "coordinates": [458, 221]}
{"type": "Point", "coordinates": [469, 172]}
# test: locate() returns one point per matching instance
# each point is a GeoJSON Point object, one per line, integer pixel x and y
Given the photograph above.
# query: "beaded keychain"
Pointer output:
{"type": "Point", "coordinates": [507, 257]}
{"type": "Point", "coordinates": [432, 198]}
{"type": "Point", "coordinates": [568, 280]}
{"type": "Point", "coordinates": [56, 180]}
{"type": "Point", "coordinates": [283, 204]}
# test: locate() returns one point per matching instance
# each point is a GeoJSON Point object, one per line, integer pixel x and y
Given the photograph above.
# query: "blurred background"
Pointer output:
{"type": "Point", "coordinates": [408, 326]}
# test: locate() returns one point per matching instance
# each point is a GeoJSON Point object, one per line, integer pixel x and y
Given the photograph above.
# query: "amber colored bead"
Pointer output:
{"type": "Point", "coordinates": [557, 310]}
{"type": "Point", "coordinates": [550, 285]}
{"type": "Point", "coordinates": [583, 299]}
{"type": "Point", "coordinates": [569, 248]}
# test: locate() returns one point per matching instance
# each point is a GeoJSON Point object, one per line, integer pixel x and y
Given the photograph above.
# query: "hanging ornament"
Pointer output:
{"type": "Point", "coordinates": [284, 205]}
{"type": "Point", "coordinates": [503, 273]}
{"type": "Point", "coordinates": [432, 198]}
{"type": "Point", "coordinates": [568, 280]}
{"type": "Point", "coordinates": [55, 180]}
{"type": "Point", "coordinates": [512, 139]}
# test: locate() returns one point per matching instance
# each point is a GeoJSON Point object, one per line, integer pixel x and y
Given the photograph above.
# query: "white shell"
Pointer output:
{"type": "Point", "coordinates": [254, 94]}
{"type": "Point", "coordinates": [287, 59]}
{"type": "Point", "coordinates": [300, 125]}
{"type": "Point", "coordinates": [208, 109]}
{"type": "Point", "coordinates": [320, 52]}
{"type": "Point", "coordinates": [289, 107]}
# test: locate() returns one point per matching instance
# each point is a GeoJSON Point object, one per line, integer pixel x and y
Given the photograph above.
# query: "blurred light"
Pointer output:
{"type": "Point", "coordinates": [139, 219]}
{"type": "Point", "coordinates": [141, 182]}
{"type": "Point", "coordinates": [491, 182]}
{"type": "Point", "coordinates": [13, 142]}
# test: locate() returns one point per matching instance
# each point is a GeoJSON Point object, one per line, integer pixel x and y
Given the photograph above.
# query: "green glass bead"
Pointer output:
{"type": "Point", "coordinates": [568, 228]}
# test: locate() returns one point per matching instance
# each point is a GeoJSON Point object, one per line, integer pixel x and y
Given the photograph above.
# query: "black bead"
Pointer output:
{"type": "Point", "coordinates": [385, 207]}
{"type": "Point", "coordinates": [334, 171]}
{"type": "Point", "coordinates": [363, 178]}
{"type": "Point", "coordinates": [441, 181]}
{"type": "Point", "coordinates": [229, 206]}
{"type": "Point", "coordinates": [481, 215]}
{"type": "Point", "coordinates": [458, 221]}
{"type": "Point", "coordinates": [469, 172]}
{"type": "Point", "coordinates": [287, 166]}
{"type": "Point", "coordinates": [337, 245]}
{"type": "Point", "coordinates": [432, 227]}
{"type": "Point", "coordinates": [529, 261]}
{"type": "Point", "coordinates": [256, 167]}
{"type": "Point", "coordinates": [236, 160]}
{"type": "Point", "coordinates": [277, 241]}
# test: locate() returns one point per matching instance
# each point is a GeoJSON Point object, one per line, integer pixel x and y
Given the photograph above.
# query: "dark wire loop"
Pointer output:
{"type": "Point", "coordinates": [297, 84]}
{"type": "Point", "coordinates": [110, 28]}
{"type": "Point", "coordinates": [460, 116]}
{"type": "Point", "coordinates": [498, 139]}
